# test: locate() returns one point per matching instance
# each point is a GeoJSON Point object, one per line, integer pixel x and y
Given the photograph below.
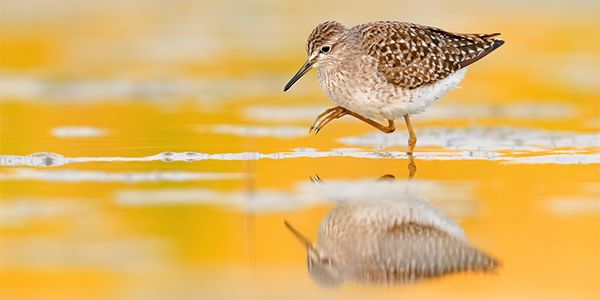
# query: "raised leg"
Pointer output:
{"type": "Point", "coordinates": [338, 112]}
{"type": "Point", "coordinates": [386, 129]}
{"type": "Point", "coordinates": [412, 137]}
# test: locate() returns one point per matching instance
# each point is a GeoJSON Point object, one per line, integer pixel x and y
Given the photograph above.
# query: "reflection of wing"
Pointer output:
{"type": "Point", "coordinates": [410, 252]}
{"type": "Point", "coordinates": [411, 55]}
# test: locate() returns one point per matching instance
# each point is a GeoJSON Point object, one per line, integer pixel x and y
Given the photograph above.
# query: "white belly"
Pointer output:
{"type": "Point", "coordinates": [384, 101]}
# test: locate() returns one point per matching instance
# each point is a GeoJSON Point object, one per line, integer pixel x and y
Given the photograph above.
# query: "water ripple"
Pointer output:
{"type": "Point", "coordinates": [124, 177]}
{"type": "Point", "coordinates": [481, 138]}
{"type": "Point", "coordinates": [49, 159]}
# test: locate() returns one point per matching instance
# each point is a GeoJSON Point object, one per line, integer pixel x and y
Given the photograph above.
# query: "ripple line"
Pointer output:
{"type": "Point", "coordinates": [49, 159]}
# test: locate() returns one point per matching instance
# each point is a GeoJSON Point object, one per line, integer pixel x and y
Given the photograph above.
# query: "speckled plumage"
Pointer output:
{"type": "Point", "coordinates": [388, 70]}
{"type": "Point", "coordinates": [390, 238]}
{"type": "Point", "coordinates": [410, 55]}
{"type": "Point", "coordinates": [384, 70]}
{"type": "Point", "coordinates": [373, 243]}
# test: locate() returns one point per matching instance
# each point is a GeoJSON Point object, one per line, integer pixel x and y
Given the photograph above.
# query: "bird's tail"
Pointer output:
{"type": "Point", "coordinates": [488, 35]}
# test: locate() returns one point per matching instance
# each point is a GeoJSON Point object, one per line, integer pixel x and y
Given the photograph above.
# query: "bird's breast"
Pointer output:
{"type": "Point", "coordinates": [357, 87]}
{"type": "Point", "coordinates": [334, 82]}
{"type": "Point", "coordinates": [363, 90]}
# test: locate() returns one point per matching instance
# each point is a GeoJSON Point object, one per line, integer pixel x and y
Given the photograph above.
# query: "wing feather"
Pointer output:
{"type": "Point", "coordinates": [410, 55]}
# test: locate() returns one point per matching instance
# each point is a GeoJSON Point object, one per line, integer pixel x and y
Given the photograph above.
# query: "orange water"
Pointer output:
{"type": "Point", "coordinates": [154, 78]}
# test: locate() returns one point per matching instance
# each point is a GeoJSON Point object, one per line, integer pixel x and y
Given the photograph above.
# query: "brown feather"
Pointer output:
{"type": "Point", "coordinates": [411, 55]}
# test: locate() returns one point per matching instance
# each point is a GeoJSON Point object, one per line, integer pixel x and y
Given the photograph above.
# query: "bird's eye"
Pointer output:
{"type": "Point", "coordinates": [325, 49]}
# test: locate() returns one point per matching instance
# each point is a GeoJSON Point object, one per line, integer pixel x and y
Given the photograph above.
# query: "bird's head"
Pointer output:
{"type": "Point", "coordinates": [322, 48]}
{"type": "Point", "coordinates": [320, 267]}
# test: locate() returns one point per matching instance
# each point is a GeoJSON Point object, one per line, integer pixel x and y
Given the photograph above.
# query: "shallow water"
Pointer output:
{"type": "Point", "coordinates": [150, 154]}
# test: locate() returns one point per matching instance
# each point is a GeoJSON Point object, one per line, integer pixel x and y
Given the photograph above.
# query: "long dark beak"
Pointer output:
{"type": "Point", "coordinates": [305, 68]}
{"type": "Point", "coordinates": [305, 242]}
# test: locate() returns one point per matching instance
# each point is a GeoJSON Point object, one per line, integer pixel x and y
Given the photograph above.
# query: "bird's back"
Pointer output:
{"type": "Point", "coordinates": [410, 252]}
{"type": "Point", "coordinates": [410, 55]}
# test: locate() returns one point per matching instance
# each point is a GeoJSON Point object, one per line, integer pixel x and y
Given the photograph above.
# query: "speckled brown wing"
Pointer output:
{"type": "Point", "coordinates": [410, 252]}
{"type": "Point", "coordinates": [411, 55]}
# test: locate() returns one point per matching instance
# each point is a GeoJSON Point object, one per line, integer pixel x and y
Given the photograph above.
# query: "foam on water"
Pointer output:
{"type": "Point", "coordinates": [481, 138]}
{"type": "Point", "coordinates": [49, 159]}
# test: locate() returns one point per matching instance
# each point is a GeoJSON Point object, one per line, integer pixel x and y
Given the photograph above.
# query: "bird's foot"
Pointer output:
{"type": "Point", "coordinates": [326, 117]}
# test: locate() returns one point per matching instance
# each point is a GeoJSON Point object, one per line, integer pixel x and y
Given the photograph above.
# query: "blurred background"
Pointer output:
{"type": "Point", "coordinates": [169, 156]}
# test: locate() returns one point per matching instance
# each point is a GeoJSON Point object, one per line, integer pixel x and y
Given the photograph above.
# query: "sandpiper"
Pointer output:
{"type": "Point", "coordinates": [388, 70]}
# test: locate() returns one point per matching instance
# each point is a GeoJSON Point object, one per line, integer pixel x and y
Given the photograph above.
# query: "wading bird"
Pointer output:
{"type": "Point", "coordinates": [388, 70]}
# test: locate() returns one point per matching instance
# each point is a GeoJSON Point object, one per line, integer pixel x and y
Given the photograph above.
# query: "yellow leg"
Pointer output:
{"type": "Point", "coordinates": [412, 167]}
{"type": "Point", "coordinates": [338, 112]}
{"type": "Point", "coordinates": [326, 117]}
{"type": "Point", "coordinates": [323, 114]}
{"type": "Point", "coordinates": [412, 170]}
{"type": "Point", "coordinates": [386, 129]}
{"type": "Point", "coordinates": [412, 137]}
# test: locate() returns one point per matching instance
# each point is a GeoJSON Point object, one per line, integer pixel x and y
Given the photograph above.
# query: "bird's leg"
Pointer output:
{"type": "Point", "coordinates": [412, 167]}
{"type": "Point", "coordinates": [389, 177]}
{"type": "Point", "coordinates": [326, 117]}
{"type": "Point", "coordinates": [386, 129]}
{"type": "Point", "coordinates": [412, 138]}
{"type": "Point", "coordinates": [318, 118]}
{"type": "Point", "coordinates": [338, 112]}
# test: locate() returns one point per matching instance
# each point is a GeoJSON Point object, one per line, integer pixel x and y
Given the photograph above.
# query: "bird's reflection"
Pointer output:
{"type": "Point", "coordinates": [392, 237]}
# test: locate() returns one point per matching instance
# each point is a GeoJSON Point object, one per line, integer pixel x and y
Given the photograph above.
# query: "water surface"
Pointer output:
{"type": "Point", "coordinates": [148, 152]}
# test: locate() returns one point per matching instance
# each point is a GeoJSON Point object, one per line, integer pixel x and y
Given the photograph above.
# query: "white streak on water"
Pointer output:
{"type": "Point", "coordinates": [17, 212]}
{"type": "Point", "coordinates": [49, 159]}
{"type": "Point", "coordinates": [283, 113]}
{"type": "Point", "coordinates": [123, 177]}
{"type": "Point", "coordinates": [481, 138]}
{"type": "Point", "coordinates": [565, 207]}
{"type": "Point", "coordinates": [263, 200]}
{"type": "Point", "coordinates": [455, 199]}
{"type": "Point", "coordinates": [522, 110]}
{"type": "Point", "coordinates": [46, 159]}
{"type": "Point", "coordinates": [562, 159]}
{"type": "Point", "coordinates": [77, 132]}
{"type": "Point", "coordinates": [256, 131]}
{"type": "Point", "coordinates": [27, 88]}
{"type": "Point", "coordinates": [86, 251]}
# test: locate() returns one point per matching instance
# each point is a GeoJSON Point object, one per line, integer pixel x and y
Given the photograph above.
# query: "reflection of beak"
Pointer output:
{"type": "Point", "coordinates": [307, 244]}
{"type": "Point", "coordinates": [305, 68]}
